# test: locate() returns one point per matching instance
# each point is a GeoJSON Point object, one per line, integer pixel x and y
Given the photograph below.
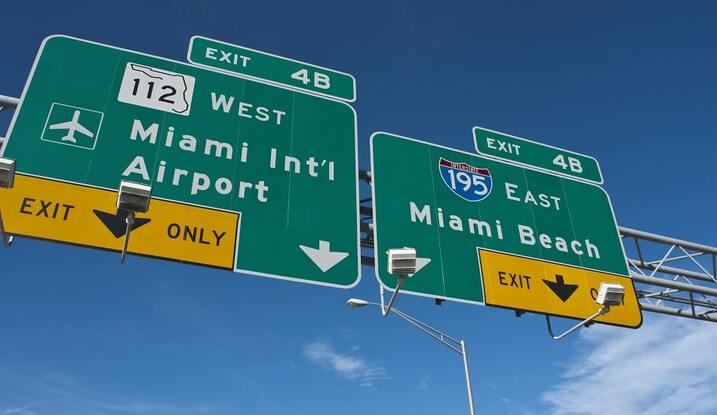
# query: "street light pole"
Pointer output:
{"type": "Point", "coordinates": [468, 377]}
{"type": "Point", "coordinates": [458, 346]}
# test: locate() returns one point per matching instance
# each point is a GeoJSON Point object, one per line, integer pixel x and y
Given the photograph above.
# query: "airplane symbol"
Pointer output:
{"type": "Point", "coordinates": [72, 127]}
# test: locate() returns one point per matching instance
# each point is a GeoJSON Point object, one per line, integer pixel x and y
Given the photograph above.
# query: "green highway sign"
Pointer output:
{"type": "Point", "coordinates": [541, 156]}
{"type": "Point", "coordinates": [265, 66]}
{"type": "Point", "coordinates": [270, 171]}
{"type": "Point", "coordinates": [490, 232]}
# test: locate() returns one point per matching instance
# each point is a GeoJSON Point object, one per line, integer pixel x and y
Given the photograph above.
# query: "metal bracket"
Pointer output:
{"type": "Point", "coordinates": [132, 198]}
{"type": "Point", "coordinates": [7, 181]}
{"type": "Point", "coordinates": [7, 239]}
{"type": "Point", "coordinates": [387, 309]}
{"type": "Point", "coordinates": [130, 221]}
{"type": "Point", "coordinates": [603, 310]}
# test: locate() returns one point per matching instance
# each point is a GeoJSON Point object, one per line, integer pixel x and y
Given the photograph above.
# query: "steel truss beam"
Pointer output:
{"type": "Point", "coordinates": [672, 276]}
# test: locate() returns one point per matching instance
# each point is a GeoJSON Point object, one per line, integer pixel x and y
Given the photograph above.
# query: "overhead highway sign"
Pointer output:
{"type": "Point", "coordinates": [491, 232]}
{"type": "Point", "coordinates": [273, 171]}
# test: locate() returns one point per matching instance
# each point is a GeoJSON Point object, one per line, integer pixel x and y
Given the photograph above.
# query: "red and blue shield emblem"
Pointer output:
{"type": "Point", "coordinates": [469, 182]}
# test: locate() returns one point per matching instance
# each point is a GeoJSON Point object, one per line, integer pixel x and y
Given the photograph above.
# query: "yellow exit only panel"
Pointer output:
{"type": "Point", "coordinates": [544, 287]}
{"type": "Point", "coordinates": [76, 214]}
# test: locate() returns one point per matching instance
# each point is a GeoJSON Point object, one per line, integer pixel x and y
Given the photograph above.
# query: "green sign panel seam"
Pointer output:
{"type": "Point", "coordinates": [29, 157]}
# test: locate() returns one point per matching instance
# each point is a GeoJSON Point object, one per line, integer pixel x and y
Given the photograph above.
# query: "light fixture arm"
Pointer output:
{"type": "Point", "coordinates": [448, 341]}
{"type": "Point", "coordinates": [458, 346]}
{"type": "Point", "coordinates": [603, 310]}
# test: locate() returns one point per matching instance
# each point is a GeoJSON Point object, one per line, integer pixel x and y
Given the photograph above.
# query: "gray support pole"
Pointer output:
{"type": "Point", "coordinates": [666, 240]}
{"type": "Point", "coordinates": [677, 312]}
{"type": "Point", "coordinates": [468, 377]}
{"type": "Point", "coordinates": [672, 270]}
{"type": "Point", "coordinates": [661, 282]}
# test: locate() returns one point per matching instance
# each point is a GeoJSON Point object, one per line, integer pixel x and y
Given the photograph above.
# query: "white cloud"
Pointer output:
{"type": "Point", "coordinates": [425, 383]}
{"type": "Point", "coordinates": [665, 367]}
{"type": "Point", "coordinates": [345, 365]}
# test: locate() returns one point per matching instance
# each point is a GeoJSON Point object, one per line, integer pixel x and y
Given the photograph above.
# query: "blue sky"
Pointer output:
{"type": "Point", "coordinates": [631, 83]}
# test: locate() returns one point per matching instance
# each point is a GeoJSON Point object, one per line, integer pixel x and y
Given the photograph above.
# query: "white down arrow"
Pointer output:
{"type": "Point", "coordinates": [323, 257]}
{"type": "Point", "coordinates": [420, 263]}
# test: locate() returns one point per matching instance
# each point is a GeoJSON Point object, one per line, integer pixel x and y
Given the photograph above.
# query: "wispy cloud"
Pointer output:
{"type": "Point", "coordinates": [22, 410]}
{"type": "Point", "coordinates": [346, 365]}
{"type": "Point", "coordinates": [26, 409]}
{"type": "Point", "coordinates": [665, 367]}
{"type": "Point", "coordinates": [425, 383]}
{"type": "Point", "coordinates": [147, 408]}
{"type": "Point", "coordinates": [66, 397]}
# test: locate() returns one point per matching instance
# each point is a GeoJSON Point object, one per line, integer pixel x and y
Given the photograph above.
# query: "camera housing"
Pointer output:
{"type": "Point", "coordinates": [7, 173]}
{"type": "Point", "coordinates": [134, 197]}
{"type": "Point", "coordinates": [610, 294]}
{"type": "Point", "coordinates": [402, 261]}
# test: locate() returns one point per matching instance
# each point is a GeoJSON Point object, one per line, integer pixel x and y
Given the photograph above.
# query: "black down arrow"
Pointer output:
{"type": "Point", "coordinates": [116, 222]}
{"type": "Point", "coordinates": [560, 288]}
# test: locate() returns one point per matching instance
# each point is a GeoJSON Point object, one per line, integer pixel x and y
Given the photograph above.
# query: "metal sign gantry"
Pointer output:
{"type": "Point", "coordinates": [672, 276]}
